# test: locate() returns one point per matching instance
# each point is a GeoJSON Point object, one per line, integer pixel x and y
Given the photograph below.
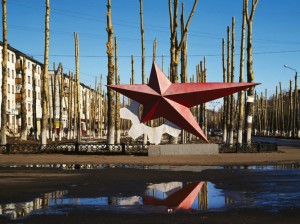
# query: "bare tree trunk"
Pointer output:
{"type": "Point", "coordinates": [53, 85]}
{"type": "Point", "coordinates": [100, 119]}
{"type": "Point", "coordinates": [282, 127]}
{"type": "Point", "coordinates": [225, 101]}
{"type": "Point", "coordinates": [34, 119]}
{"type": "Point", "coordinates": [4, 76]}
{"type": "Point", "coordinates": [295, 120]}
{"type": "Point", "coordinates": [143, 41]}
{"type": "Point", "coordinates": [250, 73]}
{"type": "Point", "coordinates": [70, 96]}
{"type": "Point", "coordinates": [85, 110]}
{"type": "Point", "coordinates": [183, 63]}
{"type": "Point", "coordinates": [204, 104]}
{"type": "Point", "coordinates": [45, 84]}
{"type": "Point", "coordinates": [110, 77]}
{"type": "Point", "coordinates": [290, 110]}
{"type": "Point", "coordinates": [117, 80]}
{"type": "Point", "coordinates": [232, 114]}
{"type": "Point", "coordinates": [266, 113]}
{"type": "Point", "coordinates": [23, 102]}
{"type": "Point", "coordinates": [241, 116]}
{"type": "Point", "coordinates": [228, 105]}
{"type": "Point", "coordinates": [78, 95]}
{"type": "Point", "coordinates": [276, 110]}
{"type": "Point", "coordinates": [61, 97]}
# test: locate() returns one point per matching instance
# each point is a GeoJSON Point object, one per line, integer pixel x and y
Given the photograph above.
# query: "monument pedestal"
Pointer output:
{"type": "Point", "coordinates": [183, 150]}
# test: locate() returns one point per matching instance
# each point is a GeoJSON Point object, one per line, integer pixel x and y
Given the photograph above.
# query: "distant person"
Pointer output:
{"type": "Point", "coordinates": [31, 131]}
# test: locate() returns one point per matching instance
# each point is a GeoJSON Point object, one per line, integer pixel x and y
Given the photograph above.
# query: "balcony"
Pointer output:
{"type": "Point", "coordinates": [18, 81]}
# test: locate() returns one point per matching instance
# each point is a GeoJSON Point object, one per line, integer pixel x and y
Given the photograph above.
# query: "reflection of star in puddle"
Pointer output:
{"type": "Point", "coordinates": [161, 98]}
{"type": "Point", "coordinates": [180, 199]}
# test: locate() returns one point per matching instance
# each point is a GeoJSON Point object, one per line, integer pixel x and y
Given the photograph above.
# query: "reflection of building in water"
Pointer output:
{"type": "Point", "coordinates": [134, 200]}
{"type": "Point", "coordinates": [177, 195]}
{"type": "Point", "coordinates": [17, 210]}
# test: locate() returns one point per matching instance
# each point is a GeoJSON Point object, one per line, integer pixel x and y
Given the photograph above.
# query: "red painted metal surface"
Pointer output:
{"type": "Point", "coordinates": [161, 98]}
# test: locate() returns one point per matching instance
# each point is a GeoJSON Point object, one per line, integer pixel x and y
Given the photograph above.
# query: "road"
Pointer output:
{"type": "Point", "coordinates": [279, 141]}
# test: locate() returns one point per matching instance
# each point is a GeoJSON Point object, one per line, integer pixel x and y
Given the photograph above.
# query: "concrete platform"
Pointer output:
{"type": "Point", "coordinates": [185, 149]}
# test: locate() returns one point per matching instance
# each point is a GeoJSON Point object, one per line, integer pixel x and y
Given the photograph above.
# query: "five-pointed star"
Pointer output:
{"type": "Point", "coordinates": [161, 98]}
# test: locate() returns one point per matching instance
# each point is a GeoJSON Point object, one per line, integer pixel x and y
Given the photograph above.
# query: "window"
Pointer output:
{"type": "Point", "coordinates": [29, 107]}
{"type": "Point", "coordinates": [8, 56]}
{"type": "Point", "coordinates": [28, 79]}
{"type": "Point", "coordinates": [28, 93]}
{"type": "Point", "coordinates": [8, 88]}
{"type": "Point", "coordinates": [8, 104]}
{"type": "Point", "coordinates": [29, 121]}
{"type": "Point", "coordinates": [12, 74]}
{"type": "Point", "coordinates": [8, 72]}
{"type": "Point", "coordinates": [39, 95]}
{"type": "Point", "coordinates": [12, 89]}
{"type": "Point", "coordinates": [28, 65]}
{"type": "Point", "coordinates": [12, 58]}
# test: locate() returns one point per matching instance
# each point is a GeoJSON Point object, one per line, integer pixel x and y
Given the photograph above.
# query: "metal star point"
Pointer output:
{"type": "Point", "coordinates": [161, 98]}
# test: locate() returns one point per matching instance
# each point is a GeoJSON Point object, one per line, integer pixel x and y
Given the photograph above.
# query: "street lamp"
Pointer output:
{"type": "Point", "coordinates": [296, 114]}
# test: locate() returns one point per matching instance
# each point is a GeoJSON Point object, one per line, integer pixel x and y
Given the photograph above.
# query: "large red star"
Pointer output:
{"type": "Point", "coordinates": [161, 98]}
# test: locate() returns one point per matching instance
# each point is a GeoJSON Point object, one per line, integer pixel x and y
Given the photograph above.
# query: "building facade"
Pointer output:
{"type": "Point", "coordinates": [22, 66]}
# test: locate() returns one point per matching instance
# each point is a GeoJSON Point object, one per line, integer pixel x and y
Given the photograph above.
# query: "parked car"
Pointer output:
{"type": "Point", "coordinates": [217, 132]}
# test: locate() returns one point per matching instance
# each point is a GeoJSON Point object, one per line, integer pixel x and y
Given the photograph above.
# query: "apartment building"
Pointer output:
{"type": "Point", "coordinates": [20, 66]}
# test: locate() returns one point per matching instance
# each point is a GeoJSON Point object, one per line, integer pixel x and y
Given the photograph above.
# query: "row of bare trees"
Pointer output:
{"type": "Point", "coordinates": [58, 79]}
{"type": "Point", "coordinates": [178, 53]}
{"type": "Point", "coordinates": [244, 110]}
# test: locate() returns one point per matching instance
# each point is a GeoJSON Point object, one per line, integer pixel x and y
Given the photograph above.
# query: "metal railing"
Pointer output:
{"type": "Point", "coordinates": [254, 147]}
{"type": "Point", "coordinates": [76, 148]}
{"type": "Point", "coordinates": [119, 149]}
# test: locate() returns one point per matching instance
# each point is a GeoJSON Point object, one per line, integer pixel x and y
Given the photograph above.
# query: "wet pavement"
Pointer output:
{"type": "Point", "coordinates": [271, 188]}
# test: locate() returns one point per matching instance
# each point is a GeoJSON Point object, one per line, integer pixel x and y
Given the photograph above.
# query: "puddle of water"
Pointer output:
{"type": "Point", "coordinates": [189, 168]}
{"type": "Point", "coordinates": [159, 197]}
{"type": "Point", "coordinates": [163, 197]}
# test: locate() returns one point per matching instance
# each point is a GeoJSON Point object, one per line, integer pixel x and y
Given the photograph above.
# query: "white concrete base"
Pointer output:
{"type": "Point", "coordinates": [184, 149]}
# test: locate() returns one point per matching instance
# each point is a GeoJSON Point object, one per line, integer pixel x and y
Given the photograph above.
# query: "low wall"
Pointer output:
{"type": "Point", "coordinates": [185, 149]}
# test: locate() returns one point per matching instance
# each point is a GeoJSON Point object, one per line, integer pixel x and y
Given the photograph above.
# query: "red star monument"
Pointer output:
{"type": "Point", "coordinates": [161, 98]}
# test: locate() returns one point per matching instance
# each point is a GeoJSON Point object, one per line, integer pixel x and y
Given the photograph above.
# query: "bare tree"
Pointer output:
{"type": "Point", "coordinates": [143, 41]}
{"type": "Point", "coordinates": [23, 101]}
{"type": "Point", "coordinates": [53, 89]}
{"type": "Point", "coordinates": [110, 77]}
{"type": "Point", "coordinates": [232, 113]}
{"type": "Point", "coordinates": [225, 101]}
{"type": "Point", "coordinates": [175, 45]}
{"type": "Point", "coordinates": [228, 98]}
{"type": "Point", "coordinates": [100, 114]}
{"type": "Point", "coordinates": [78, 95]}
{"type": "Point", "coordinates": [281, 106]}
{"type": "Point", "coordinates": [250, 72]}
{"type": "Point", "coordinates": [45, 84]}
{"type": "Point", "coordinates": [4, 75]}
{"type": "Point", "coordinates": [241, 112]}
{"type": "Point", "coordinates": [290, 121]}
{"type": "Point", "coordinates": [61, 97]}
{"type": "Point", "coordinates": [34, 117]}
{"type": "Point", "coordinates": [117, 80]}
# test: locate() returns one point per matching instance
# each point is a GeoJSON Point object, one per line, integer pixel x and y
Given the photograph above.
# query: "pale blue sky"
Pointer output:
{"type": "Point", "coordinates": [276, 35]}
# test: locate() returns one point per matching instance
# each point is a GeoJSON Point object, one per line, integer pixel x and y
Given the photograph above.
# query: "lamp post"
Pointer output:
{"type": "Point", "coordinates": [296, 113]}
